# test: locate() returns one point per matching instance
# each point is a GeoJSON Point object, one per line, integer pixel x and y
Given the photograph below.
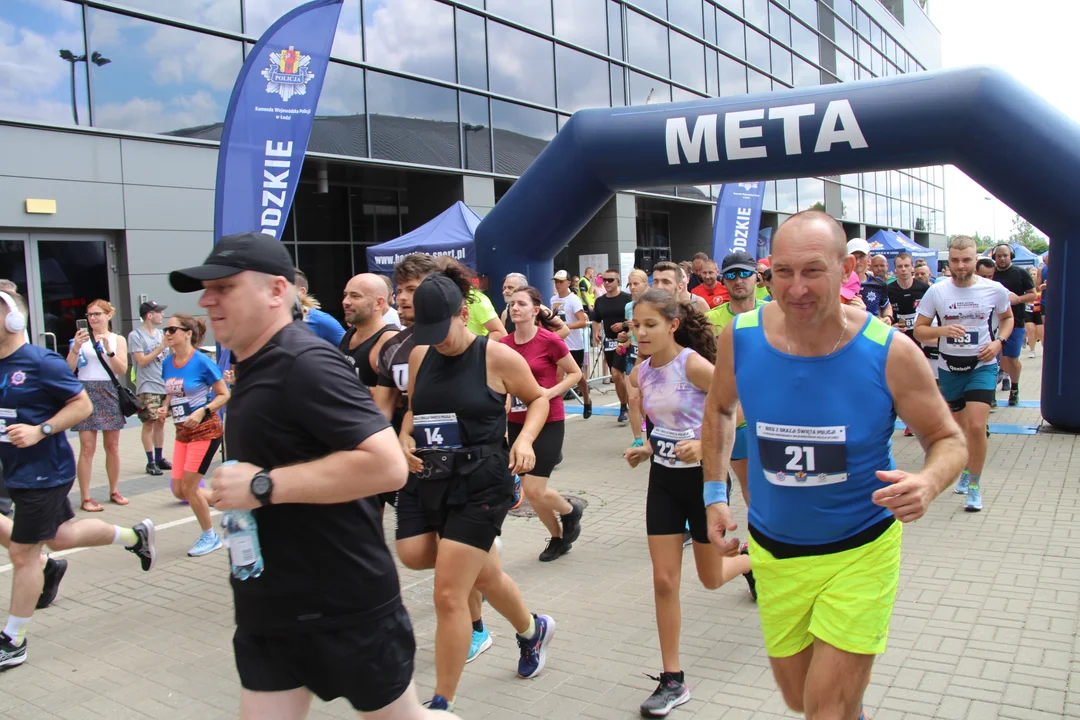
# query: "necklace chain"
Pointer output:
{"type": "Point", "coordinates": [839, 340]}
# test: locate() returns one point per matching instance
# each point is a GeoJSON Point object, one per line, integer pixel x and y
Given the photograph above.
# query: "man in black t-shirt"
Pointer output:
{"type": "Point", "coordinates": [1021, 291]}
{"type": "Point", "coordinates": [325, 616]}
{"type": "Point", "coordinates": [609, 316]}
{"type": "Point", "coordinates": [905, 293]}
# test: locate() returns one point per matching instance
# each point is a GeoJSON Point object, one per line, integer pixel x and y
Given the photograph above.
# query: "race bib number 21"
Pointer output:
{"type": "Point", "coordinates": [801, 456]}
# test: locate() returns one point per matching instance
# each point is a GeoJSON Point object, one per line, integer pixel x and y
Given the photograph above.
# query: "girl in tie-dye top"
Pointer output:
{"type": "Point", "coordinates": [678, 348]}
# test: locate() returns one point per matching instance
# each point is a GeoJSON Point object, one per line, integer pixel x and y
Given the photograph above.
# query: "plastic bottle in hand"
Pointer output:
{"type": "Point", "coordinates": [241, 535]}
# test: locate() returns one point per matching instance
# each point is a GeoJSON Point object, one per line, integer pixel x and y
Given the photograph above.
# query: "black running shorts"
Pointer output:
{"type": "Point", "coordinates": [470, 508]}
{"type": "Point", "coordinates": [579, 358]}
{"type": "Point", "coordinates": [615, 361]}
{"type": "Point", "coordinates": [39, 512]}
{"type": "Point", "coordinates": [370, 664]}
{"type": "Point", "coordinates": [411, 520]}
{"type": "Point", "coordinates": [676, 498]}
{"type": "Point", "coordinates": [547, 446]}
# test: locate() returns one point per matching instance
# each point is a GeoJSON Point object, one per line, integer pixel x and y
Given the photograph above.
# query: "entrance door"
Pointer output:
{"type": "Point", "coordinates": [58, 274]}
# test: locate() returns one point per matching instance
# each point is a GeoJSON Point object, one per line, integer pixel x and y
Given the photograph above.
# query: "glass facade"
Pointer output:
{"type": "Point", "coordinates": [481, 85]}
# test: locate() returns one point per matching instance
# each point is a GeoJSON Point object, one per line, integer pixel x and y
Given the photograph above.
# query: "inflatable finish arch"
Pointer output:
{"type": "Point", "coordinates": [1005, 137]}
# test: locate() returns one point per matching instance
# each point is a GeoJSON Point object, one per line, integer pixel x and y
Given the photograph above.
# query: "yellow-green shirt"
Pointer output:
{"type": "Point", "coordinates": [761, 293]}
{"type": "Point", "coordinates": [481, 311]}
{"type": "Point", "coordinates": [721, 315]}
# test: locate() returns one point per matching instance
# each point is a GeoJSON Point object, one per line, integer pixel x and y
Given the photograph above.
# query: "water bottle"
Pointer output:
{"type": "Point", "coordinates": [241, 536]}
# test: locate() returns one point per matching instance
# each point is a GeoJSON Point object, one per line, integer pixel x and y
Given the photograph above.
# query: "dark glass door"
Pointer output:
{"type": "Point", "coordinates": [73, 273]}
{"type": "Point", "coordinates": [14, 267]}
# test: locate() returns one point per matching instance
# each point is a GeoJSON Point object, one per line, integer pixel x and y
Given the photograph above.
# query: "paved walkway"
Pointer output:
{"type": "Point", "coordinates": [985, 624]}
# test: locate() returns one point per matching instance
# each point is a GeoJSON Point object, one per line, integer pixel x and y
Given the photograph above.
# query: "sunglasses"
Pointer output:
{"type": "Point", "coordinates": [607, 280]}
{"type": "Point", "coordinates": [743, 274]}
{"type": "Point", "coordinates": [171, 329]}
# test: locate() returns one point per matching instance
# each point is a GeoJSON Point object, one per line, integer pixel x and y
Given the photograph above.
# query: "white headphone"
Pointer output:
{"type": "Point", "coordinates": [15, 322]}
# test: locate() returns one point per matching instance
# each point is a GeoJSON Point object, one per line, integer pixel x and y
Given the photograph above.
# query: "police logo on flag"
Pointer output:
{"type": "Point", "coordinates": [288, 73]}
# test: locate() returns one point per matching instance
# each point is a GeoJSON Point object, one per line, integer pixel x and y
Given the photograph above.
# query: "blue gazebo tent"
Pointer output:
{"type": "Point", "coordinates": [1021, 256]}
{"type": "Point", "coordinates": [890, 244]}
{"type": "Point", "coordinates": [450, 233]}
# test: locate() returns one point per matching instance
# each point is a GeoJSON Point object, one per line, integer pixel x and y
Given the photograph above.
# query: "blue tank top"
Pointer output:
{"type": "Point", "coordinates": [819, 428]}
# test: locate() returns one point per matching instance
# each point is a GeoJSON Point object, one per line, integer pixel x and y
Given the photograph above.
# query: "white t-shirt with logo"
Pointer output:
{"type": "Point", "coordinates": [976, 308]}
{"type": "Point", "coordinates": [566, 308]}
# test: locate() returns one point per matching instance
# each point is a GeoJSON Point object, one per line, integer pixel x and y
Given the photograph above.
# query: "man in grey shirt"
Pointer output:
{"type": "Point", "coordinates": [147, 346]}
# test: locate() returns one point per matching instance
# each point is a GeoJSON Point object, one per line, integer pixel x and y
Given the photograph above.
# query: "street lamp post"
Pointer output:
{"type": "Point", "coordinates": [469, 128]}
{"type": "Point", "coordinates": [95, 57]}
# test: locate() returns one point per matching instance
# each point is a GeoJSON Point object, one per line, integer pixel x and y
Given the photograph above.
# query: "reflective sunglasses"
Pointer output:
{"type": "Point", "coordinates": [732, 274]}
{"type": "Point", "coordinates": [607, 280]}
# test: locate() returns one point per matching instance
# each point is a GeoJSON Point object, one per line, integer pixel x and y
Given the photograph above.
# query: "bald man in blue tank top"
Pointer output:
{"type": "Point", "coordinates": [824, 536]}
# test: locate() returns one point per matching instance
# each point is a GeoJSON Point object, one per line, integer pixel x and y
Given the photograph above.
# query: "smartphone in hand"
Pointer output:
{"type": "Point", "coordinates": [82, 325]}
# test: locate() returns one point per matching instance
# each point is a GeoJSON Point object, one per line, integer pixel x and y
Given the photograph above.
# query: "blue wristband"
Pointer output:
{"type": "Point", "coordinates": [715, 492]}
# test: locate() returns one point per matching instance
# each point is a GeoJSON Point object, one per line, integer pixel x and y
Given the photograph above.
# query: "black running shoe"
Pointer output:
{"type": "Point", "coordinates": [1006, 382]}
{"type": "Point", "coordinates": [556, 548]}
{"type": "Point", "coordinates": [163, 464]}
{"type": "Point", "coordinates": [687, 538]}
{"type": "Point", "coordinates": [669, 694]}
{"type": "Point", "coordinates": [144, 548]}
{"type": "Point", "coordinates": [1014, 396]}
{"type": "Point", "coordinates": [624, 414]}
{"type": "Point", "coordinates": [10, 656]}
{"type": "Point", "coordinates": [571, 524]}
{"type": "Point", "coordinates": [54, 573]}
{"type": "Point", "coordinates": [586, 411]}
{"type": "Point", "coordinates": [153, 469]}
{"type": "Point", "coordinates": [749, 576]}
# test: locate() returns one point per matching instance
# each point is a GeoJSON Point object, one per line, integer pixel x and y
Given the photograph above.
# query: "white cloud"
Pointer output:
{"type": "Point", "coordinates": [30, 64]}
{"type": "Point", "coordinates": [154, 116]}
{"type": "Point", "coordinates": [412, 36]}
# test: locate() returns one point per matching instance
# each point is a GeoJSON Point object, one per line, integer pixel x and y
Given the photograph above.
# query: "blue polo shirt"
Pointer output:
{"type": "Point", "coordinates": [35, 384]}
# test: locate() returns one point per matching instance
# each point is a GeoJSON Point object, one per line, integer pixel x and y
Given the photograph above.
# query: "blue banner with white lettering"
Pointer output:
{"type": "Point", "coordinates": [268, 122]}
{"type": "Point", "coordinates": [738, 218]}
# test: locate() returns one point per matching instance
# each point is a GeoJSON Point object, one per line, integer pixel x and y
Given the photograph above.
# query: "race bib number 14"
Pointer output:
{"type": "Point", "coordinates": [801, 456]}
{"type": "Point", "coordinates": [436, 431]}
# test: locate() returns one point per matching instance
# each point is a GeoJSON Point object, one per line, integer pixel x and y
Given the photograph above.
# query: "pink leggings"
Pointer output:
{"type": "Point", "coordinates": [193, 457]}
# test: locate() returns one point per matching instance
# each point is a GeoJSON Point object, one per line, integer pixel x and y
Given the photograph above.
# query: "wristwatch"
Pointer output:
{"type": "Point", "coordinates": [46, 429]}
{"type": "Point", "coordinates": [262, 487]}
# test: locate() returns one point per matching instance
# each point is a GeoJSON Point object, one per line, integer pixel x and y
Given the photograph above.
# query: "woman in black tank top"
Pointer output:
{"type": "Point", "coordinates": [454, 439]}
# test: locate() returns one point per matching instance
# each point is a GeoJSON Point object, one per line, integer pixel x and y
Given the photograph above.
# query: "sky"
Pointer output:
{"type": "Point", "coordinates": [1034, 41]}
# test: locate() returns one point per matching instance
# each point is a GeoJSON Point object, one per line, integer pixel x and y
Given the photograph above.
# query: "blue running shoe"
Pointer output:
{"type": "Point", "coordinates": [481, 641]}
{"type": "Point", "coordinates": [534, 649]}
{"type": "Point", "coordinates": [438, 702]}
{"type": "Point", "coordinates": [207, 543]}
{"type": "Point", "coordinates": [962, 484]}
{"type": "Point", "coordinates": [974, 499]}
{"type": "Point", "coordinates": [517, 492]}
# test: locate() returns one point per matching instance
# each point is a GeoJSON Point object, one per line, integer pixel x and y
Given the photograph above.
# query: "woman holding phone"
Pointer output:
{"type": "Point", "coordinates": [190, 376]}
{"type": "Point", "coordinates": [88, 365]}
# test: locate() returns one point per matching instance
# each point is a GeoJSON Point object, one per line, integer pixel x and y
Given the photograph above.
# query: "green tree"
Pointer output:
{"type": "Point", "coordinates": [1025, 234]}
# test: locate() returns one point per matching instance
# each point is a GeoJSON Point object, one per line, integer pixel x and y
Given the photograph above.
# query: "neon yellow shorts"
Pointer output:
{"type": "Point", "coordinates": [844, 599]}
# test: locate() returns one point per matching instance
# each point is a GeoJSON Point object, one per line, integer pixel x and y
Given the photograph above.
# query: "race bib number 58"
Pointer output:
{"type": "Point", "coordinates": [436, 431]}
{"type": "Point", "coordinates": [801, 456]}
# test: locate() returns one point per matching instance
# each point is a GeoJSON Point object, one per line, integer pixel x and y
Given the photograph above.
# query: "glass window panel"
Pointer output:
{"type": "Point", "coordinates": [787, 197]}
{"type": "Point", "coordinates": [680, 95]}
{"type": "Point", "coordinates": [869, 212]}
{"type": "Point", "coordinates": [876, 36]}
{"type": "Point", "coordinates": [618, 86]}
{"type": "Point", "coordinates": [647, 43]}
{"type": "Point", "coordinates": [475, 3]}
{"type": "Point", "coordinates": [656, 7]}
{"type": "Point", "coordinates": [757, 83]}
{"type": "Point", "coordinates": [768, 201]}
{"type": "Point", "coordinates": [805, 74]}
{"type": "Point", "coordinates": [781, 63]}
{"type": "Point", "coordinates": [710, 23]}
{"type": "Point", "coordinates": [804, 41]}
{"type": "Point", "coordinates": [811, 194]}
{"type": "Point", "coordinates": [711, 86]}
{"type": "Point", "coordinates": [851, 179]}
{"type": "Point", "coordinates": [645, 90]}
{"type": "Point", "coordinates": [730, 34]}
{"type": "Point", "coordinates": [413, 121]}
{"type": "Point", "coordinates": [732, 76]}
{"type": "Point", "coordinates": [471, 50]}
{"type": "Point", "coordinates": [845, 68]}
{"type": "Point", "coordinates": [397, 42]}
{"type": "Point", "coordinates": [805, 10]}
{"type": "Point", "coordinates": [583, 22]}
{"type": "Point", "coordinates": [476, 132]}
{"type": "Point", "coordinates": [865, 51]}
{"type": "Point", "coordinates": [876, 66]}
{"type": "Point", "coordinates": [328, 268]}
{"type": "Point", "coordinates": [845, 38]}
{"type": "Point", "coordinates": [894, 212]}
{"type": "Point", "coordinates": [37, 80]}
{"type": "Point", "coordinates": [583, 80]}
{"type": "Point", "coordinates": [849, 203]}
{"type": "Point", "coordinates": [615, 38]}
{"type": "Point", "coordinates": [757, 13]}
{"type": "Point", "coordinates": [150, 85]}
{"type": "Point", "coordinates": [842, 8]}
{"type": "Point", "coordinates": [862, 22]}
{"type": "Point", "coordinates": [530, 13]}
{"type": "Point", "coordinates": [869, 181]}
{"type": "Point", "coordinates": [521, 134]}
{"type": "Point", "coordinates": [757, 49]}
{"type": "Point", "coordinates": [261, 14]}
{"type": "Point", "coordinates": [686, 14]}
{"type": "Point", "coordinates": [779, 24]}
{"type": "Point", "coordinates": [342, 98]}
{"type": "Point", "coordinates": [520, 65]}
{"type": "Point", "coordinates": [735, 6]}
{"type": "Point", "coordinates": [322, 217]}
{"type": "Point", "coordinates": [224, 14]}
{"type": "Point", "coordinates": [687, 61]}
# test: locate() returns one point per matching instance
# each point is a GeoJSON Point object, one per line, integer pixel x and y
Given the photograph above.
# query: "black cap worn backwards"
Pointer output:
{"type": "Point", "coordinates": [435, 303]}
{"type": "Point", "coordinates": [234, 254]}
{"type": "Point", "coordinates": [738, 260]}
{"type": "Point", "coordinates": [150, 306]}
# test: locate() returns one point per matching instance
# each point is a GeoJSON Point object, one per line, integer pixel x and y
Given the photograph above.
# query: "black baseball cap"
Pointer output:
{"type": "Point", "coordinates": [233, 254]}
{"type": "Point", "coordinates": [150, 306]}
{"type": "Point", "coordinates": [739, 260]}
{"type": "Point", "coordinates": [435, 303]}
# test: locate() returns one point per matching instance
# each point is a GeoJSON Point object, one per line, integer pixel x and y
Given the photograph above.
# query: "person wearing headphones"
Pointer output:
{"type": "Point", "coordinates": [1021, 292]}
